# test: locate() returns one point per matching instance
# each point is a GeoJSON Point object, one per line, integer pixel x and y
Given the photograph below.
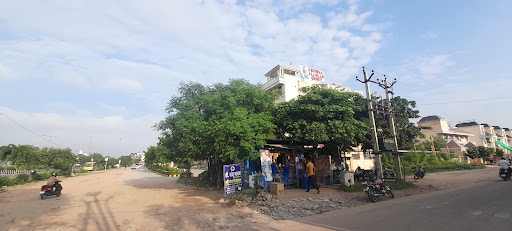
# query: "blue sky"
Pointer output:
{"type": "Point", "coordinates": [97, 75]}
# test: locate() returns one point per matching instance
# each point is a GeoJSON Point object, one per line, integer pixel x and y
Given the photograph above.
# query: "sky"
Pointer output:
{"type": "Point", "coordinates": [97, 75]}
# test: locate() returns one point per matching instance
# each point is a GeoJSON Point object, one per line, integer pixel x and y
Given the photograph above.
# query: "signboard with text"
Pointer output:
{"type": "Point", "coordinates": [312, 74]}
{"type": "Point", "coordinates": [232, 179]}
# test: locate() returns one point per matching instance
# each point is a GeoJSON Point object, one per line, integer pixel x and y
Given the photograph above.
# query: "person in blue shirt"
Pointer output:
{"type": "Point", "coordinates": [286, 174]}
{"type": "Point", "coordinates": [275, 171]}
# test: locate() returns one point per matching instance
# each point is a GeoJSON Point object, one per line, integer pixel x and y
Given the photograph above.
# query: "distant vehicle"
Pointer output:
{"type": "Point", "coordinates": [135, 166]}
{"type": "Point", "coordinates": [91, 166]}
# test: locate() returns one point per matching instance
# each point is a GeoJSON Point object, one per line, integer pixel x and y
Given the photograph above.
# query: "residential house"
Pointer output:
{"type": "Point", "coordinates": [458, 141]}
{"type": "Point", "coordinates": [501, 135]}
{"type": "Point", "coordinates": [478, 131]}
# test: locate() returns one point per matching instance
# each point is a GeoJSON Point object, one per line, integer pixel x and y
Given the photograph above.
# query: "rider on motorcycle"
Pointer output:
{"type": "Point", "coordinates": [505, 165]}
{"type": "Point", "coordinates": [51, 182]}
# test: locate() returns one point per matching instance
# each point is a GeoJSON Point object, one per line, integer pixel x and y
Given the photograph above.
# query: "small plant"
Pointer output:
{"type": "Point", "coordinates": [64, 173]}
{"type": "Point", "coordinates": [41, 176]}
{"type": "Point", "coordinates": [6, 181]}
{"type": "Point", "coordinates": [357, 187]}
{"type": "Point", "coordinates": [21, 179]}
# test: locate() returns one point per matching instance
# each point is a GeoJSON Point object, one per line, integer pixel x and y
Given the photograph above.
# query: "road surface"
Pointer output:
{"type": "Point", "coordinates": [117, 200]}
{"type": "Point", "coordinates": [480, 206]}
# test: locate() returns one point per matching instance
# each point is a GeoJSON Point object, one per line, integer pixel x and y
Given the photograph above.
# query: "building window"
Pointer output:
{"type": "Point", "coordinates": [367, 155]}
{"type": "Point", "coordinates": [355, 156]}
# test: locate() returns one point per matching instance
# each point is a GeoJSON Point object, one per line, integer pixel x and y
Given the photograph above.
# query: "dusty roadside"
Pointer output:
{"type": "Point", "coordinates": [141, 200]}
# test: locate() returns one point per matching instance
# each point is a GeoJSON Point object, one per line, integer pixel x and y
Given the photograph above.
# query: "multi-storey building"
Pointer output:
{"type": "Point", "coordinates": [478, 131]}
{"type": "Point", "coordinates": [289, 80]}
{"type": "Point", "coordinates": [458, 141]}
{"type": "Point", "coordinates": [502, 137]}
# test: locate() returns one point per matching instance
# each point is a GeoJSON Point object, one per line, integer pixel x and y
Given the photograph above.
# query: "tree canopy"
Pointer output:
{"type": "Point", "coordinates": [323, 116]}
{"type": "Point", "coordinates": [225, 121]}
{"type": "Point", "coordinates": [406, 132]}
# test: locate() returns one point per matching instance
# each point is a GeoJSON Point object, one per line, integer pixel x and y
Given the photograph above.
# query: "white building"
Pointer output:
{"type": "Point", "coordinates": [289, 80]}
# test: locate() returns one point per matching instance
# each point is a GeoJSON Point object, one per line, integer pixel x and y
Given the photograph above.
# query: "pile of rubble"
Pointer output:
{"type": "Point", "coordinates": [306, 207]}
{"type": "Point", "coordinates": [283, 210]}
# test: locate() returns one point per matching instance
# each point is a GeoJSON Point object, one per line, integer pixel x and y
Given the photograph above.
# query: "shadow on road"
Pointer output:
{"type": "Point", "coordinates": [98, 213]}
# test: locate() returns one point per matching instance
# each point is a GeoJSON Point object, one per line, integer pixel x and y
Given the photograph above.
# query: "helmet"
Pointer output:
{"type": "Point", "coordinates": [54, 174]}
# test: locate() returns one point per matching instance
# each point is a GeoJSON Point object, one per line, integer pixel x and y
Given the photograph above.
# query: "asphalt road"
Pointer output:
{"type": "Point", "coordinates": [481, 206]}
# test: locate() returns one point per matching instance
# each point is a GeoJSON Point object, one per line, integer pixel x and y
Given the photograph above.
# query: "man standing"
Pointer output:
{"type": "Point", "coordinates": [310, 170]}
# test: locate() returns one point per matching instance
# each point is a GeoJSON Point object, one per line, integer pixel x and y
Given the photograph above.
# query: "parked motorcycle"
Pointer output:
{"type": "Point", "coordinates": [47, 191]}
{"type": "Point", "coordinates": [376, 189]}
{"type": "Point", "coordinates": [420, 173]}
{"type": "Point", "coordinates": [388, 173]}
{"type": "Point", "coordinates": [504, 174]}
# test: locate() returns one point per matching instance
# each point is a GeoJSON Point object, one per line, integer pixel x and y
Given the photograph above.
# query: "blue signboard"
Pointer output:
{"type": "Point", "coordinates": [232, 179]}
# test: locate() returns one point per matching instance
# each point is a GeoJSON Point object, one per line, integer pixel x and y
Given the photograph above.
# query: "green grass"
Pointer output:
{"type": "Point", "coordinates": [400, 185]}
{"type": "Point", "coordinates": [195, 181]}
{"type": "Point", "coordinates": [357, 187]}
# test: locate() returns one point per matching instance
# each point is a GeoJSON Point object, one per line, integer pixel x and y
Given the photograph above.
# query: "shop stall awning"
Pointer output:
{"type": "Point", "coordinates": [282, 146]}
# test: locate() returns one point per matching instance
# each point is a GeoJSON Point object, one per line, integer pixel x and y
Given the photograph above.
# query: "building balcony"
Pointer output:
{"type": "Point", "coordinates": [273, 83]}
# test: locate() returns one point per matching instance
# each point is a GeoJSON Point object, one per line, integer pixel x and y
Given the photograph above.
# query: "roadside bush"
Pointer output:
{"type": "Point", "coordinates": [21, 179]}
{"type": "Point", "coordinates": [166, 170]}
{"type": "Point", "coordinates": [8, 168]}
{"type": "Point", "coordinates": [64, 173]}
{"type": "Point", "coordinates": [41, 176]}
{"type": "Point", "coordinates": [434, 163]}
{"type": "Point", "coordinates": [83, 171]}
{"type": "Point", "coordinates": [6, 181]}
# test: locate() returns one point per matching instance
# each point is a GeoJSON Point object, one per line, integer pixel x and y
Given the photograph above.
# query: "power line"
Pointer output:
{"type": "Point", "coordinates": [466, 101]}
{"type": "Point", "coordinates": [50, 141]}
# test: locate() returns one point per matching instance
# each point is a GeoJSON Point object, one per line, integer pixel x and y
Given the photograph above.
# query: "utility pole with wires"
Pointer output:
{"type": "Point", "coordinates": [376, 152]}
{"type": "Point", "coordinates": [49, 141]}
{"type": "Point", "coordinates": [388, 110]}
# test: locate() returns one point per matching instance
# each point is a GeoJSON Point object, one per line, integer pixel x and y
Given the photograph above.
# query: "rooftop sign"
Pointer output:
{"type": "Point", "coordinates": [312, 74]}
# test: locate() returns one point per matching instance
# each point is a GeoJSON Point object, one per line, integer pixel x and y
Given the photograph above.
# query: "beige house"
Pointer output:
{"type": "Point", "coordinates": [501, 135]}
{"type": "Point", "coordinates": [458, 141]}
{"type": "Point", "coordinates": [478, 131]}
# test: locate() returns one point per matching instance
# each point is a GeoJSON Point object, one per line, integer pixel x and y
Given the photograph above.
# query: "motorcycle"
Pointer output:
{"type": "Point", "coordinates": [420, 173]}
{"type": "Point", "coordinates": [504, 174]}
{"type": "Point", "coordinates": [376, 189]}
{"type": "Point", "coordinates": [47, 191]}
{"type": "Point", "coordinates": [388, 173]}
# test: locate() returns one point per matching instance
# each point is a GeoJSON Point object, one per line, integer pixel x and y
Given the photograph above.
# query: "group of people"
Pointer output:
{"type": "Point", "coordinates": [310, 171]}
{"type": "Point", "coordinates": [286, 173]}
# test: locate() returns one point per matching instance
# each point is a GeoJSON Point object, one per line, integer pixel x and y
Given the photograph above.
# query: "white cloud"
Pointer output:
{"type": "Point", "coordinates": [6, 73]}
{"type": "Point", "coordinates": [127, 85]}
{"type": "Point", "coordinates": [142, 50]}
{"type": "Point", "coordinates": [418, 69]}
{"type": "Point", "coordinates": [429, 35]}
{"type": "Point", "coordinates": [112, 135]}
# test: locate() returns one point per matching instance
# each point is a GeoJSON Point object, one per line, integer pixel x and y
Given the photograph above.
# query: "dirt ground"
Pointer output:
{"type": "Point", "coordinates": [125, 199]}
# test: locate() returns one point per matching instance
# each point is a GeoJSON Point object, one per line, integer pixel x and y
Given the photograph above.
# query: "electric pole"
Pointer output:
{"type": "Point", "coordinates": [398, 165]}
{"type": "Point", "coordinates": [376, 152]}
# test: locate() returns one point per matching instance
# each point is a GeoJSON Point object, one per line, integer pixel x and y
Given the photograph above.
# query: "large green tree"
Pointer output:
{"type": "Point", "coordinates": [323, 116]}
{"type": "Point", "coordinates": [480, 152]}
{"type": "Point", "coordinates": [223, 123]}
{"type": "Point", "coordinates": [403, 111]}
